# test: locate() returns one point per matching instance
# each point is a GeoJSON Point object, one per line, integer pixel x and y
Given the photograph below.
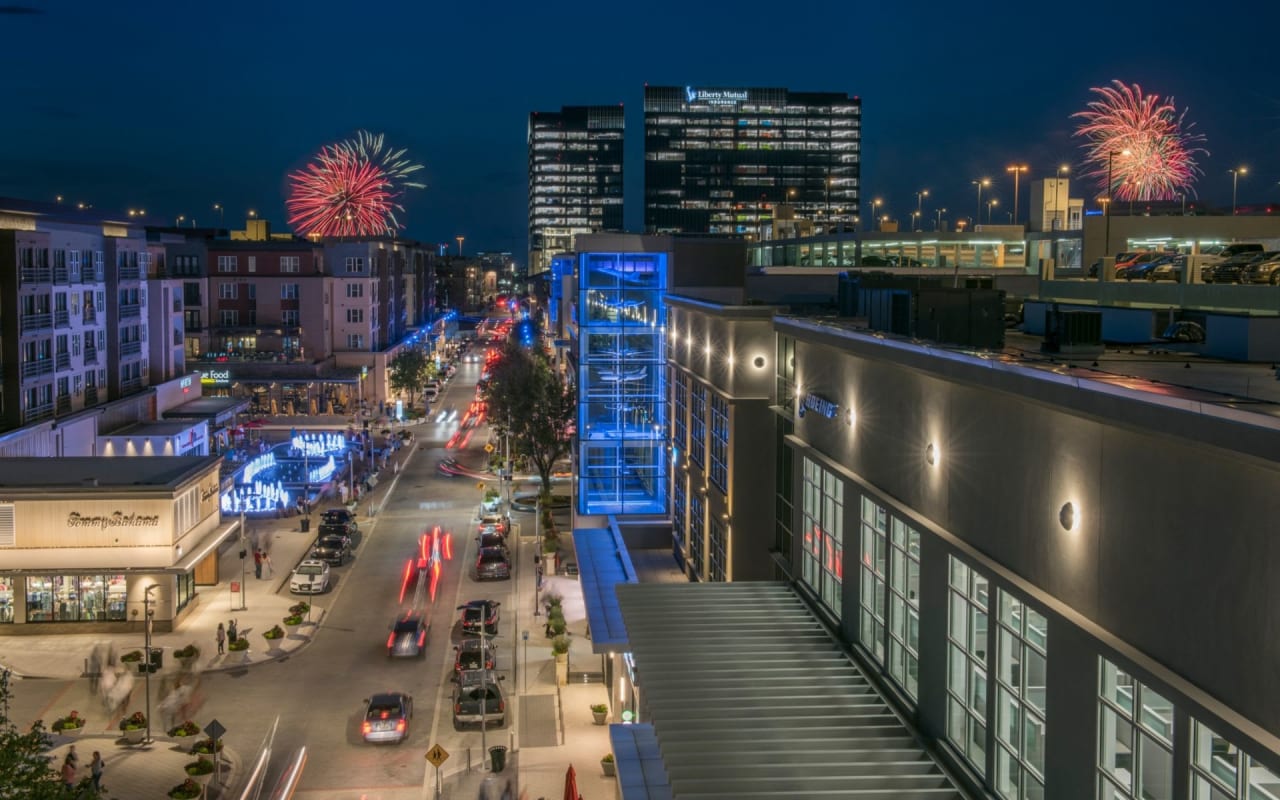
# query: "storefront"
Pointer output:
{"type": "Point", "coordinates": [177, 438]}
{"type": "Point", "coordinates": [79, 553]}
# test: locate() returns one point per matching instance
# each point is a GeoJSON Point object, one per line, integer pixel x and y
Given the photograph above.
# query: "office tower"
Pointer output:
{"type": "Point", "coordinates": [721, 160]}
{"type": "Point", "coordinates": [575, 178]}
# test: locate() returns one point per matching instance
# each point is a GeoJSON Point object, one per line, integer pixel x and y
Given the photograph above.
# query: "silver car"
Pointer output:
{"type": "Point", "coordinates": [386, 719]}
{"type": "Point", "coordinates": [477, 697]}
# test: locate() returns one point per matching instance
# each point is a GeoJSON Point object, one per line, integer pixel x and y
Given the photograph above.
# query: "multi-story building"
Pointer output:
{"type": "Point", "coordinates": [575, 178]}
{"type": "Point", "coordinates": [721, 160]}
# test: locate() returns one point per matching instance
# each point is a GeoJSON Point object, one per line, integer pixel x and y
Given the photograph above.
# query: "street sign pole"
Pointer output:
{"type": "Point", "coordinates": [437, 755]}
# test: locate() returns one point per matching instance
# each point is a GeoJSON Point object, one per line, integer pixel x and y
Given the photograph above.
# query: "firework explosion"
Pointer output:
{"type": "Point", "coordinates": [1139, 139]}
{"type": "Point", "coordinates": [351, 188]}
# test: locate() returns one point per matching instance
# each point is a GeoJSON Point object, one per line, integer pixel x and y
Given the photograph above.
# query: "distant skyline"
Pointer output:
{"type": "Point", "coordinates": [175, 109]}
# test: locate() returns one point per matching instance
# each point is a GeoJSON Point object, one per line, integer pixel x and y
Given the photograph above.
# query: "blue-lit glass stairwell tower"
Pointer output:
{"type": "Point", "coordinates": [622, 393]}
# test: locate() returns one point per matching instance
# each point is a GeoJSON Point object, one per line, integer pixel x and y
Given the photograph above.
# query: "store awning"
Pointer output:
{"type": "Point", "coordinates": [602, 565]}
{"type": "Point", "coordinates": [750, 697]}
{"type": "Point", "coordinates": [207, 545]}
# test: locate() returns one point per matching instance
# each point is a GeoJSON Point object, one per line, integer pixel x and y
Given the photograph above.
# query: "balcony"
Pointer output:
{"type": "Point", "coordinates": [92, 275]}
{"type": "Point", "coordinates": [130, 274]}
{"type": "Point", "coordinates": [37, 413]}
{"type": "Point", "coordinates": [36, 275]}
{"type": "Point", "coordinates": [64, 404]}
{"type": "Point", "coordinates": [62, 319]}
{"type": "Point", "coordinates": [130, 385]}
{"type": "Point", "coordinates": [61, 275]}
{"type": "Point", "coordinates": [63, 361]}
{"type": "Point", "coordinates": [130, 310]}
{"type": "Point", "coordinates": [91, 395]}
{"type": "Point", "coordinates": [130, 348]}
{"type": "Point", "coordinates": [90, 316]}
{"type": "Point", "coordinates": [34, 369]}
{"type": "Point", "coordinates": [90, 356]}
{"type": "Point", "coordinates": [36, 322]}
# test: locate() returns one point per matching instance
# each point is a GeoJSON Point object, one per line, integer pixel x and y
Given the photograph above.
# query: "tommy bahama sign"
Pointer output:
{"type": "Point", "coordinates": [118, 519]}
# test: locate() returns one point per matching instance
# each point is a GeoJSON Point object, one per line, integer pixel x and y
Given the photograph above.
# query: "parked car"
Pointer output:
{"type": "Point", "coordinates": [332, 548]}
{"type": "Point", "coordinates": [1124, 268]}
{"type": "Point", "coordinates": [467, 656]}
{"type": "Point", "coordinates": [490, 538]}
{"type": "Point", "coordinates": [497, 521]}
{"type": "Point", "coordinates": [339, 516]}
{"type": "Point", "coordinates": [476, 612]}
{"type": "Point", "coordinates": [1228, 270]}
{"type": "Point", "coordinates": [408, 637]}
{"type": "Point", "coordinates": [386, 718]}
{"type": "Point", "coordinates": [478, 697]}
{"type": "Point", "coordinates": [1264, 269]}
{"type": "Point", "coordinates": [1142, 269]}
{"type": "Point", "coordinates": [1169, 270]}
{"type": "Point", "coordinates": [493, 564]}
{"type": "Point", "coordinates": [310, 577]}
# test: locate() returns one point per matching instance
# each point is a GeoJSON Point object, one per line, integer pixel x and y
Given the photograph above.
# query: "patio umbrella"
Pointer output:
{"type": "Point", "coordinates": [571, 785]}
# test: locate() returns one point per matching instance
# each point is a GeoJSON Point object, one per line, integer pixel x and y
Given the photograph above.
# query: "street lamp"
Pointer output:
{"type": "Point", "coordinates": [791, 196]}
{"type": "Point", "coordinates": [178, 222]}
{"type": "Point", "coordinates": [980, 183]}
{"type": "Point", "coordinates": [1017, 170]}
{"type": "Point", "coordinates": [460, 240]}
{"type": "Point", "coordinates": [937, 222]}
{"type": "Point", "coordinates": [915, 215]}
{"type": "Point", "coordinates": [1106, 209]}
{"type": "Point", "coordinates": [1053, 220]}
{"type": "Point", "coordinates": [875, 208]}
{"type": "Point", "coordinates": [920, 196]}
{"type": "Point", "coordinates": [1235, 181]}
{"type": "Point", "coordinates": [146, 635]}
{"type": "Point", "coordinates": [992, 203]}
{"type": "Point", "coordinates": [218, 207]}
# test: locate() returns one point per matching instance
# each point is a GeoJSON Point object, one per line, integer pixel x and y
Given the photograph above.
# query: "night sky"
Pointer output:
{"type": "Point", "coordinates": [173, 107]}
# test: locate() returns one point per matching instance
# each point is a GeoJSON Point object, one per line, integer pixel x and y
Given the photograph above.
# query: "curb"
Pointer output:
{"type": "Point", "coordinates": [281, 656]}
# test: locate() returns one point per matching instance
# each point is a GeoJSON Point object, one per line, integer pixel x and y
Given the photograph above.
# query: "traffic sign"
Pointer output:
{"type": "Point", "coordinates": [214, 730]}
{"type": "Point", "coordinates": [437, 755]}
{"type": "Point", "coordinates": [488, 448]}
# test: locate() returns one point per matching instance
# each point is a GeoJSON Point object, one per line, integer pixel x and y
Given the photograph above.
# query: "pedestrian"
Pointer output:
{"type": "Point", "coordinates": [68, 775]}
{"type": "Point", "coordinates": [221, 637]}
{"type": "Point", "coordinates": [257, 563]}
{"type": "Point", "coordinates": [266, 562]}
{"type": "Point", "coordinates": [96, 766]}
{"type": "Point", "coordinates": [73, 756]}
{"type": "Point", "coordinates": [231, 631]}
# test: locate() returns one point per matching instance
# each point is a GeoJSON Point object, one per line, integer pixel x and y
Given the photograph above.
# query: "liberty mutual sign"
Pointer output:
{"type": "Point", "coordinates": [715, 97]}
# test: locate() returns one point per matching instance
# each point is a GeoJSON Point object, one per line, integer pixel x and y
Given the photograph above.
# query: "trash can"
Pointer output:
{"type": "Point", "coordinates": [306, 524]}
{"type": "Point", "coordinates": [497, 758]}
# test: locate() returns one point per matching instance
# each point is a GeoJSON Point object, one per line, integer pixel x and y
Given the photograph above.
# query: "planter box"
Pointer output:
{"type": "Point", "coordinates": [609, 768]}
{"type": "Point", "coordinates": [135, 735]}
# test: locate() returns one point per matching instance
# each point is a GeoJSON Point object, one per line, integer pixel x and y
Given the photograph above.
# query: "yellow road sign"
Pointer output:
{"type": "Point", "coordinates": [488, 448]}
{"type": "Point", "coordinates": [480, 484]}
{"type": "Point", "coordinates": [437, 755]}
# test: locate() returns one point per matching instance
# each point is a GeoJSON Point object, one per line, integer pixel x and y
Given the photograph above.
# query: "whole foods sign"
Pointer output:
{"type": "Point", "coordinates": [116, 519]}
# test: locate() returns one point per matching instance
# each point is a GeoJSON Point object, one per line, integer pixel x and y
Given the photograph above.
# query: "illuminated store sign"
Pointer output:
{"type": "Point", "coordinates": [118, 519]}
{"type": "Point", "coordinates": [216, 376]}
{"type": "Point", "coordinates": [715, 97]}
{"type": "Point", "coordinates": [819, 405]}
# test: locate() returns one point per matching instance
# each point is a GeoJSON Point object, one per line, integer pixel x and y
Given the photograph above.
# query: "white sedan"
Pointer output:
{"type": "Point", "coordinates": [311, 577]}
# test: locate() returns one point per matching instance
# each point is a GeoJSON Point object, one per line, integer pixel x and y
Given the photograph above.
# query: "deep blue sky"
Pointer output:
{"type": "Point", "coordinates": [176, 106]}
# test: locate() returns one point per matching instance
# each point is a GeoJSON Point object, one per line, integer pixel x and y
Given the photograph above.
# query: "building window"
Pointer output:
{"type": "Point", "coordinates": [228, 291]}
{"type": "Point", "coordinates": [785, 371]}
{"type": "Point", "coordinates": [355, 290]}
{"type": "Point", "coordinates": [680, 395]}
{"type": "Point", "coordinates": [967, 663]}
{"type": "Point", "coordinates": [679, 498]}
{"type": "Point", "coordinates": [822, 513]}
{"type": "Point", "coordinates": [289, 318]}
{"type": "Point", "coordinates": [875, 572]}
{"type": "Point", "coordinates": [719, 547]}
{"type": "Point", "coordinates": [228, 263]}
{"type": "Point", "coordinates": [355, 315]}
{"type": "Point", "coordinates": [1135, 739]}
{"type": "Point", "coordinates": [355, 265]}
{"type": "Point", "coordinates": [1219, 771]}
{"type": "Point", "coordinates": [784, 505]}
{"type": "Point", "coordinates": [696, 544]}
{"type": "Point", "coordinates": [253, 263]}
{"type": "Point", "coordinates": [186, 589]}
{"type": "Point", "coordinates": [75, 598]}
{"type": "Point", "coordinates": [904, 606]}
{"type": "Point", "coordinates": [290, 264]}
{"type": "Point", "coordinates": [288, 291]}
{"type": "Point", "coordinates": [698, 424]}
{"type": "Point", "coordinates": [355, 341]}
{"type": "Point", "coordinates": [720, 442]}
{"type": "Point", "coordinates": [1021, 713]}
{"type": "Point", "coordinates": [229, 318]}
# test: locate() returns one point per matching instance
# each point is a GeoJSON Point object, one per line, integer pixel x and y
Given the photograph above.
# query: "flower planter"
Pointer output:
{"type": "Point", "coordinates": [186, 661]}
{"type": "Point", "coordinates": [203, 780]}
{"type": "Point", "coordinates": [608, 767]}
{"type": "Point", "coordinates": [70, 731]}
{"type": "Point", "coordinates": [134, 735]}
{"type": "Point", "coordinates": [600, 717]}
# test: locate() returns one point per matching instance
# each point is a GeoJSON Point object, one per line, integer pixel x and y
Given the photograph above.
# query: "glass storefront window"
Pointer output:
{"type": "Point", "coordinates": [75, 598]}
{"type": "Point", "coordinates": [6, 598]}
{"type": "Point", "coordinates": [1135, 754]}
{"type": "Point", "coordinates": [822, 514]}
{"type": "Point", "coordinates": [967, 664]}
{"type": "Point", "coordinates": [186, 589]}
{"type": "Point", "coordinates": [1020, 699]}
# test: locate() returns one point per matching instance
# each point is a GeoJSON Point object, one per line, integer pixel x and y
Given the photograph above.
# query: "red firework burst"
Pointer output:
{"type": "Point", "coordinates": [1138, 141]}
{"type": "Point", "coordinates": [350, 189]}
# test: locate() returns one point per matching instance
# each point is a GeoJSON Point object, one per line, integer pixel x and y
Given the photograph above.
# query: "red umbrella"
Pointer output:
{"type": "Point", "coordinates": [571, 785]}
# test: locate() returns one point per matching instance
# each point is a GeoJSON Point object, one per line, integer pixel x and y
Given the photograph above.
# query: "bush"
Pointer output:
{"type": "Point", "coordinates": [134, 721]}
{"type": "Point", "coordinates": [187, 790]}
{"type": "Point", "coordinates": [560, 645]}
{"type": "Point", "coordinates": [608, 758]}
{"type": "Point", "coordinates": [187, 728]}
{"type": "Point", "coordinates": [299, 609]}
{"type": "Point", "coordinates": [600, 708]}
{"type": "Point", "coordinates": [293, 620]}
{"type": "Point", "coordinates": [190, 651]}
{"type": "Point", "coordinates": [238, 645]}
{"type": "Point", "coordinates": [206, 747]}
{"type": "Point", "coordinates": [71, 722]}
{"type": "Point", "coordinates": [201, 766]}
{"type": "Point", "coordinates": [276, 632]}
{"type": "Point", "coordinates": [553, 600]}
{"type": "Point", "coordinates": [132, 656]}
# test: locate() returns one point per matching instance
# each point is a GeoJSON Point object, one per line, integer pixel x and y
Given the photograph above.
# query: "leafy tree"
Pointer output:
{"type": "Point", "coordinates": [527, 397]}
{"type": "Point", "coordinates": [409, 371]}
{"type": "Point", "coordinates": [26, 771]}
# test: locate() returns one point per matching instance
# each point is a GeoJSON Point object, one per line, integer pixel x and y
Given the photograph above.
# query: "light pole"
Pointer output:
{"type": "Point", "coordinates": [1017, 170]}
{"type": "Point", "coordinates": [937, 223]}
{"type": "Point", "coordinates": [218, 207]}
{"type": "Point", "coordinates": [980, 183]}
{"type": "Point", "coordinates": [244, 541]}
{"type": "Point", "coordinates": [1106, 209]}
{"type": "Point", "coordinates": [177, 223]}
{"type": "Point", "coordinates": [1053, 220]}
{"type": "Point", "coordinates": [875, 208]}
{"type": "Point", "coordinates": [992, 203]}
{"type": "Point", "coordinates": [460, 240]}
{"type": "Point", "coordinates": [146, 635]}
{"type": "Point", "coordinates": [915, 215]}
{"type": "Point", "coordinates": [920, 196]}
{"type": "Point", "coordinates": [1235, 181]}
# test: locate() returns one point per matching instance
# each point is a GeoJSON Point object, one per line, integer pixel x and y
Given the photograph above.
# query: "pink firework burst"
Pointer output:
{"type": "Point", "coordinates": [350, 189]}
{"type": "Point", "coordinates": [1139, 141]}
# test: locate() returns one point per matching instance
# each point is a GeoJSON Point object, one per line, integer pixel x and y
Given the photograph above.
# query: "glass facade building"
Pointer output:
{"type": "Point", "coordinates": [622, 414]}
{"type": "Point", "coordinates": [575, 177]}
{"type": "Point", "coordinates": [721, 160]}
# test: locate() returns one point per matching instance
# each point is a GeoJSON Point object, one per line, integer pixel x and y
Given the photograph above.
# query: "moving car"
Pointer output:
{"type": "Point", "coordinates": [467, 656]}
{"type": "Point", "coordinates": [477, 698]}
{"type": "Point", "coordinates": [493, 564]}
{"type": "Point", "coordinates": [477, 611]}
{"type": "Point", "coordinates": [422, 572]}
{"type": "Point", "coordinates": [408, 637]}
{"type": "Point", "coordinates": [311, 577]}
{"type": "Point", "coordinates": [386, 718]}
{"type": "Point", "coordinates": [332, 548]}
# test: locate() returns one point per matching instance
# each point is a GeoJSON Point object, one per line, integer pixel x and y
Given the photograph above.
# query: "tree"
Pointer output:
{"type": "Point", "coordinates": [409, 371]}
{"type": "Point", "coordinates": [25, 769]}
{"type": "Point", "coordinates": [527, 398]}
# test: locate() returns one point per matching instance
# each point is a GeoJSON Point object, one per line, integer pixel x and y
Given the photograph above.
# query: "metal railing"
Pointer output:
{"type": "Point", "coordinates": [63, 361]}
{"type": "Point", "coordinates": [61, 275]}
{"type": "Point", "coordinates": [37, 413]}
{"type": "Point", "coordinates": [64, 404]}
{"type": "Point", "coordinates": [92, 275]}
{"type": "Point", "coordinates": [91, 396]}
{"type": "Point", "coordinates": [42, 366]}
{"type": "Point", "coordinates": [90, 315]}
{"type": "Point", "coordinates": [35, 322]}
{"type": "Point", "coordinates": [130, 274]}
{"type": "Point", "coordinates": [36, 275]}
{"type": "Point", "coordinates": [130, 348]}
{"type": "Point", "coordinates": [131, 385]}
{"type": "Point", "coordinates": [129, 310]}
{"type": "Point", "coordinates": [62, 319]}
{"type": "Point", "coordinates": [91, 355]}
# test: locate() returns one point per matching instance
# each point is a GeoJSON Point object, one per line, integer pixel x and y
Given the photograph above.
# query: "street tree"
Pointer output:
{"type": "Point", "coordinates": [527, 398]}
{"type": "Point", "coordinates": [409, 371]}
{"type": "Point", "coordinates": [26, 771]}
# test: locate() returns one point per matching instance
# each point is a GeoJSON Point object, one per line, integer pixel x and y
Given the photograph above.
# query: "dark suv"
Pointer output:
{"type": "Point", "coordinates": [493, 564]}
{"type": "Point", "coordinates": [334, 548]}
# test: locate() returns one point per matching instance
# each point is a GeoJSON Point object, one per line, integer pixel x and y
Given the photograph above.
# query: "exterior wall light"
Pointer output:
{"type": "Point", "coordinates": [850, 417]}
{"type": "Point", "coordinates": [758, 361]}
{"type": "Point", "coordinates": [932, 455]}
{"type": "Point", "coordinates": [1067, 516]}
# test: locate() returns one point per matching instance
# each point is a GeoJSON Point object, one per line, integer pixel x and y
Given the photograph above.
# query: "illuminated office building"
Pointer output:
{"type": "Point", "coordinates": [721, 160]}
{"type": "Point", "coordinates": [575, 177]}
